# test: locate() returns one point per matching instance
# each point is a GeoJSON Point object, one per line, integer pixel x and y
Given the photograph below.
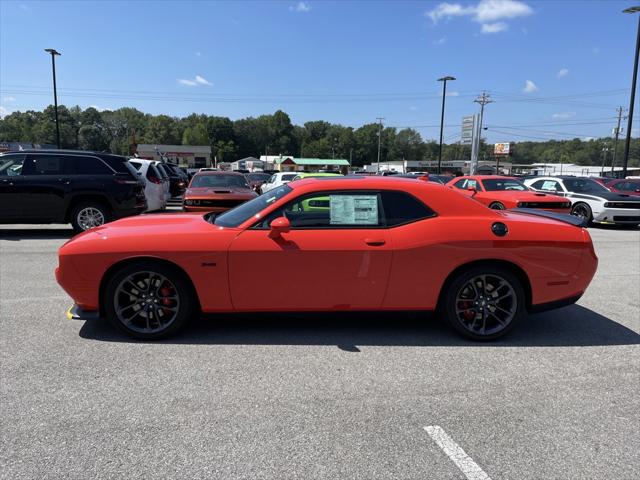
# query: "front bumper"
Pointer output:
{"type": "Point", "coordinates": [77, 313]}
{"type": "Point", "coordinates": [621, 216]}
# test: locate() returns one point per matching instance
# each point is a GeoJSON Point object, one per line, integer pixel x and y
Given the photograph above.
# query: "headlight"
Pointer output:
{"type": "Point", "coordinates": [567, 205]}
{"type": "Point", "coordinates": [519, 204]}
{"type": "Point", "coordinates": [188, 202]}
{"type": "Point", "coordinates": [607, 204]}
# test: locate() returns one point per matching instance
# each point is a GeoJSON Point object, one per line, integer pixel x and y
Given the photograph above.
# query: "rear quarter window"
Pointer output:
{"type": "Point", "coordinates": [401, 208]}
{"type": "Point", "coordinates": [80, 165]}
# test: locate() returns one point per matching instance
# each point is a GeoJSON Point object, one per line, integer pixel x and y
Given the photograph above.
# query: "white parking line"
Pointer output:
{"type": "Point", "coordinates": [457, 455]}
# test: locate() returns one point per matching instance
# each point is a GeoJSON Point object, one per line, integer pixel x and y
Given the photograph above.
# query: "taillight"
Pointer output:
{"type": "Point", "coordinates": [124, 179]}
{"type": "Point", "coordinates": [155, 180]}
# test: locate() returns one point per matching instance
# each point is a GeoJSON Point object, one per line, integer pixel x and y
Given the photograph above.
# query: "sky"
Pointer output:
{"type": "Point", "coordinates": [554, 69]}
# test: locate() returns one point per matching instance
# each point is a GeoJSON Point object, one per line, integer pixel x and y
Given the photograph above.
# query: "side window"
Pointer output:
{"type": "Point", "coordinates": [138, 165]}
{"type": "Point", "coordinates": [460, 183]}
{"type": "Point", "coordinates": [549, 186]}
{"type": "Point", "coordinates": [11, 165]}
{"type": "Point", "coordinates": [537, 185]}
{"type": "Point", "coordinates": [331, 210]}
{"type": "Point", "coordinates": [45, 165]}
{"type": "Point", "coordinates": [401, 208]}
{"type": "Point", "coordinates": [87, 166]}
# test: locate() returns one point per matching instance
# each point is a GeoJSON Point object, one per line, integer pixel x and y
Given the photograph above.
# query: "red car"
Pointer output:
{"type": "Point", "coordinates": [630, 186]}
{"type": "Point", "coordinates": [343, 244]}
{"type": "Point", "coordinates": [501, 193]}
{"type": "Point", "coordinates": [216, 191]}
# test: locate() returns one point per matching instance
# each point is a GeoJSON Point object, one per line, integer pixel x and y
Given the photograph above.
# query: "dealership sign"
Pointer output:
{"type": "Point", "coordinates": [502, 149]}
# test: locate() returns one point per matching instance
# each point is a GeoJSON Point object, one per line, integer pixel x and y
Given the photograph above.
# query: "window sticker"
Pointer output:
{"type": "Point", "coordinates": [353, 209]}
{"type": "Point", "coordinates": [548, 185]}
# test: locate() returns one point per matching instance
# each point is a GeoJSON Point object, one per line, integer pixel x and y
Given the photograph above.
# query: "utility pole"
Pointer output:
{"type": "Point", "coordinates": [379, 139]}
{"type": "Point", "coordinates": [627, 141]}
{"type": "Point", "coordinates": [444, 95]}
{"type": "Point", "coordinates": [605, 150]}
{"type": "Point", "coordinates": [615, 145]}
{"type": "Point", "coordinates": [483, 100]}
{"type": "Point", "coordinates": [53, 53]}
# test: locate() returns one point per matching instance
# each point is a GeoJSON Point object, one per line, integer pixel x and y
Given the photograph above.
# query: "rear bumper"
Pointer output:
{"type": "Point", "coordinates": [543, 307]}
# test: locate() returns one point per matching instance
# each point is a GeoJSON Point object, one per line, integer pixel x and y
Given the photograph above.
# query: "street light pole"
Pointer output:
{"type": "Point", "coordinates": [379, 138]}
{"type": "Point", "coordinates": [444, 94]}
{"type": "Point", "coordinates": [615, 145]}
{"type": "Point", "coordinates": [627, 143]}
{"type": "Point", "coordinates": [53, 53]}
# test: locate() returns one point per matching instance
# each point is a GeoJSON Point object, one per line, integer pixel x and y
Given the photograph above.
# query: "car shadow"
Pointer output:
{"type": "Point", "coordinates": [569, 326]}
{"type": "Point", "coordinates": [17, 234]}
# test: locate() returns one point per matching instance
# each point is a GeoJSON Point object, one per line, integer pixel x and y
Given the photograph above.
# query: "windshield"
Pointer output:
{"type": "Point", "coordinates": [237, 181]}
{"type": "Point", "coordinates": [584, 185]}
{"type": "Point", "coordinates": [289, 176]}
{"type": "Point", "coordinates": [493, 185]}
{"type": "Point", "coordinates": [242, 213]}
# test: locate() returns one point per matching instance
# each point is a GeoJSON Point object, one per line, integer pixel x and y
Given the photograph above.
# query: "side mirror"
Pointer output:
{"type": "Point", "coordinates": [279, 226]}
{"type": "Point", "coordinates": [472, 190]}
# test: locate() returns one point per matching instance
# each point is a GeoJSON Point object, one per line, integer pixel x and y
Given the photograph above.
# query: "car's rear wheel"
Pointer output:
{"type": "Point", "coordinates": [582, 210]}
{"type": "Point", "coordinates": [484, 303]}
{"type": "Point", "coordinates": [86, 215]}
{"type": "Point", "coordinates": [497, 206]}
{"type": "Point", "coordinates": [149, 300]}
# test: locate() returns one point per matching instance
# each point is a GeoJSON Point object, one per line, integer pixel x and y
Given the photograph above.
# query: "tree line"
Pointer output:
{"type": "Point", "coordinates": [116, 130]}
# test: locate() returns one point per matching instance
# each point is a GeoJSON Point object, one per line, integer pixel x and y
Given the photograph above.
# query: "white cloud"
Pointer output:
{"type": "Point", "coordinates": [494, 27]}
{"type": "Point", "coordinates": [563, 72]}
{"type": "Point", "coordinates": [301, 7]}
{"type": "Point", "coordinates": [440, 41]}
{"type": "Point", "coordinates": [453, 93]}
{"type": "Point", "coordinates": [595, 50]}
{"type": "Point", "coordinates": [563, 115]}
{"type": "Point", "coordinates": [198, 54]}
{"type": "Point", "coordinates": [413, 108]}
{"type": "Point", "coordinates": [530, 87]}
{"type": "Point", "coordinates": [202, 80]}
{"type": "Point", "coordinates": [24, 7]}
{"type": "Point", "coordinates": [588, 139]}
{"type": "Point", "coordinates": [8, 99]}
{"type": "Point", "coordinates": [197, 81]}
{"type": "Point", "coordinates": [486, 12]}
{"type": "Point", "coordinates": [3, 112]}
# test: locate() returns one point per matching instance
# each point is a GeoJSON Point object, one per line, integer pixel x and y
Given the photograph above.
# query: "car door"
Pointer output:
{"type": "Point", "coordinates": [12, 189]}
{"type": "Point", "coordinates": [47, 180]}
{"type": "Point", "coordinates": [336, 256]}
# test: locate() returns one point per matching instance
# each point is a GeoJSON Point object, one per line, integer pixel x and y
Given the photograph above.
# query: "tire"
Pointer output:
{"type": "Point", "coordinates": [89, 214]}
{"type": "Point", "coordinates": [496, 206]}
{"type": "Point", "coordinates": [163, 295]}
{"type": "Point", "coordinates": [464, 297]}
{"type": "Point", "coordinates": [582, 210]}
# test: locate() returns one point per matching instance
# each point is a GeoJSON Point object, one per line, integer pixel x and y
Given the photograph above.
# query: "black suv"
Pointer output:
{"type": "Point", "coordinates": [177, 184]}
{"type": "Point", "coordinates": [85, 189]}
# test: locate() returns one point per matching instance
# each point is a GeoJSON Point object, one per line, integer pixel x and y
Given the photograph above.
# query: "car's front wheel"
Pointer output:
{"type": "Point", "coordinates": [149, 300]}
{"type": "Point", "coordinates": [484, 303]}
{"type": "Point", "coordinates": [582, 210]}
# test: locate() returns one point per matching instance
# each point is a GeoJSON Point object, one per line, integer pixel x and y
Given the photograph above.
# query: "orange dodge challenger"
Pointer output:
{"type": "Point", "coordinates": [212, 191]}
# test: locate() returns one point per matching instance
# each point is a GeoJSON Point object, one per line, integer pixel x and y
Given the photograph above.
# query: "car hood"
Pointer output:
{"type": "Point", "coordinates": [609, 196]}
{"type": "Point", "coordinates": [215, 191]}
{"type": "Point", "coordinates": [151, 234]}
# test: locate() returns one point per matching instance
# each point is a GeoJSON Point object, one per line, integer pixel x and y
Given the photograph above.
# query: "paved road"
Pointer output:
{"type": "Point", "coordinates": [317, 397]}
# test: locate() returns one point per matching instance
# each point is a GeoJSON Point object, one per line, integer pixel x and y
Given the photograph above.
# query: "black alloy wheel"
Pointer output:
{"type": "Point", "coordinates": [484, 303]}
{"type": "Point", "coordinates": [148, 300]}
{"type": "Point", "coordinates": [582, 210]}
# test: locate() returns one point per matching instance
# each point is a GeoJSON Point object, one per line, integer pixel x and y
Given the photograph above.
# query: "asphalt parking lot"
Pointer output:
{"type": "Point", "coordinates": [322, 396]}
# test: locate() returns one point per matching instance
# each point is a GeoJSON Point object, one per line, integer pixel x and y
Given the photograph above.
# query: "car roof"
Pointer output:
{"type": "Point", "coordinates": [66, 152]}
{"type": "Point", "coordinates": [218, 172]}
{"type": "Point", "coordinates": [362, 182]}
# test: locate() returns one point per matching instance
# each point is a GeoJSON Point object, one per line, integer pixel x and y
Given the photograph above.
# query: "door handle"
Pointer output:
{"type": "Point", "coordinates": [374, 242]}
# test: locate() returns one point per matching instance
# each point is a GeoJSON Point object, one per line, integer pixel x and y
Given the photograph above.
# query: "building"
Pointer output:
{"type": "Point", "coordinates": [454, 167]}
{"type": "Point", "coordinates": [189, 156]}
{"type": "Point", "coordinates": [293, 164]}
{"type": "Point", "coordinates": [249, 163]}
{"type": "Point", "coordinates": [18, 146]}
